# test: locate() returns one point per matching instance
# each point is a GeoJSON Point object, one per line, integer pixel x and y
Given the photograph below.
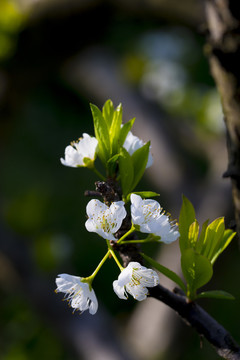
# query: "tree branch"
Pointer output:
{"type": "Point", "coordinates": [190, 312]}
{"type": "Point", "coordinates": [223, 50]}
{"type": "Point", "coordinates": [199, 319]}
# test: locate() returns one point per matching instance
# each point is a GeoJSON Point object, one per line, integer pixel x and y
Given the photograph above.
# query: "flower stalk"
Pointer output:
{"type": "Point", "coordinates": [129, 232]}
{"type": "Point", "coordinates": [90, 278]}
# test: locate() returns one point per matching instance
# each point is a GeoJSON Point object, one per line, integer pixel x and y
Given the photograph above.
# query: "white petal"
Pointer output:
{"type": "Point", "coordinates": [170, 237]}
{"type": "Point", "coordinates": [137, 291]}
{"type": "Point", "coordinates": [136, 200]}
{"type": "Point", "coordinates": [93, 307]}
{"type": "Point", "coordinates": [150, 160]}
{"type": "Point", "coordinates": [125, 276]}
{"type": "Point", "coordinates": [149, 277]}
{"type": "Point", "coordinates": [119, 290]}
{"type": "Point", "coordinates": [118, 213]}
{"type": "Point", "coordinates": [87, 146]}
{"type": "Point", "coordinates": [65, 282]}
{"type": "Point", "coordinates": [90, 225]}
{"type": "Point", "coordinates": [94, 207]}
{"type": "Point", "coordinates": [105, 235]}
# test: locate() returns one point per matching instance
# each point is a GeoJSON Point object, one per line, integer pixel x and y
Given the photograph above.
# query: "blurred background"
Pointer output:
{"type": "Point", "coordinates": [55, 58]}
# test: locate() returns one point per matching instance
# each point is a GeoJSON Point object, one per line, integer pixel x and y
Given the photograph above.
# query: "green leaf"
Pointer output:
{"type": "Point", "coordinates": [219, 232]}
{"type": "Point", "coordinates": [112, 164]}
{"type": "Point", "coordinates": [213, 236]}
{"type": "Point", "coordinates": [193, 234]}
{"type": "Point", "coordinates": [144, 194]}
{"type": "Point", "coordinates": [124, 131]}
{"type": "Point", "coordinates": [101, 133]}
{"type": "Point", "coordinates": [108, 112]}
{"type": "Point", "coordinates": [196, 269]}
{"type": "Point", "coordinates": [186, 218]}
{"type": "Point", "coordinates": [224, 242]}
{"type": "Point", "coordinates": [217, 294]}
{"type": "Point", "coordinates": [201, 239]}
{"type": "Point", "coordinates": [165, 271]}
{"type": "Point", "coordinates": [126, 171]}
{"type": "Point", "coordinates": [115, 129]}
{"type": "Point", "coordinates": [139, 160]}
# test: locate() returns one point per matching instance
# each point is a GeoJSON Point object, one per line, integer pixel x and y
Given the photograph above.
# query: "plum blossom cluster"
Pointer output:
{"type": "Point", "coordinates": [135, 279]}
{"type": "Point", "coordinates": [114, 141]}
{"type": "Point", "coordinates": [83, 152]}
{"type": "Point", "coordinates": [147, 217]}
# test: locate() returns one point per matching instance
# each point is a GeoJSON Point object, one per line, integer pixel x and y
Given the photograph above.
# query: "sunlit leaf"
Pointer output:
{"type": "Point", "coordinates": [115, 128]}
{"type": "Point", "coordinates": [193, 234]}
{"type": "Point", "coordinates": [101, 133]}
{"type": "Point", "coordinates": [201, 239]}
{"type": "Point", "coordinates": [213, 235]}
{"type": "Point", "coordinates": [124, 131]}
{"type": "Point", "coordinates": [108, 112]}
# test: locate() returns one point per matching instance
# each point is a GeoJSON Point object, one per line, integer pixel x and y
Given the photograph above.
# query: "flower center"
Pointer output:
{"type": "Point", "coordinates": [106, 224]}
{"type": "Point", "coordinates": [149, 212]}
{"type": "Point", "coordinates": [136, 278]}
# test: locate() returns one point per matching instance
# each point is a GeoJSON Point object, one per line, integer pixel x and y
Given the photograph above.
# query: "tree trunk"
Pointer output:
{"type": "Point", "coordinates": [223, 50]}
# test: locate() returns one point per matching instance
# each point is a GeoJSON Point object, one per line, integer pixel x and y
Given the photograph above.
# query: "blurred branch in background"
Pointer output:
{"type": "Point", "coordinates": [63, 55]}
{"type": "Point", "coordinates": [223, 19]}
{"type": "Point", "coordinates": [86, 337]}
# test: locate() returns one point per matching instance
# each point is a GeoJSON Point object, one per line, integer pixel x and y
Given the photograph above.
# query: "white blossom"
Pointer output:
{"type": "Point", "coordinates": [104, 220]}
{"type": "Point", "coordinates": [150, 217]}
{"type": "Point", "coordinates": [133, 143]}
{"type": "Point", "coordinates": [79, 294]}
{"type": "Point", "coordinates": [135, 279]}
{"type": "Point", "coordinates": [84, 148]}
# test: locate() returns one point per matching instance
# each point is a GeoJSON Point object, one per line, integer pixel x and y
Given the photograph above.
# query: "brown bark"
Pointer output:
{"type": "Point", "coordinates": [201, 321]}
{"type": "Point", "coordinates": [223, 50]}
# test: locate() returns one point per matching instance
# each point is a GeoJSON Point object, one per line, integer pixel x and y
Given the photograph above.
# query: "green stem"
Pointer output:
{"type": "Point", "coordinates": [116, 259]}
{"type": "Point", "coordinates": [138, 241]}
{"type": "Point", "coordinates": [126, 235]}
{"type": "Point", "coordinates": [90, 278]}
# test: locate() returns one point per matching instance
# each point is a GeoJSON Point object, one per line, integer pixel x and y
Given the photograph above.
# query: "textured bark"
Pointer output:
{"type": "Point", "coordinates": [200, 320]}
{"type": "Point", "coordinates": [223, 50]}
